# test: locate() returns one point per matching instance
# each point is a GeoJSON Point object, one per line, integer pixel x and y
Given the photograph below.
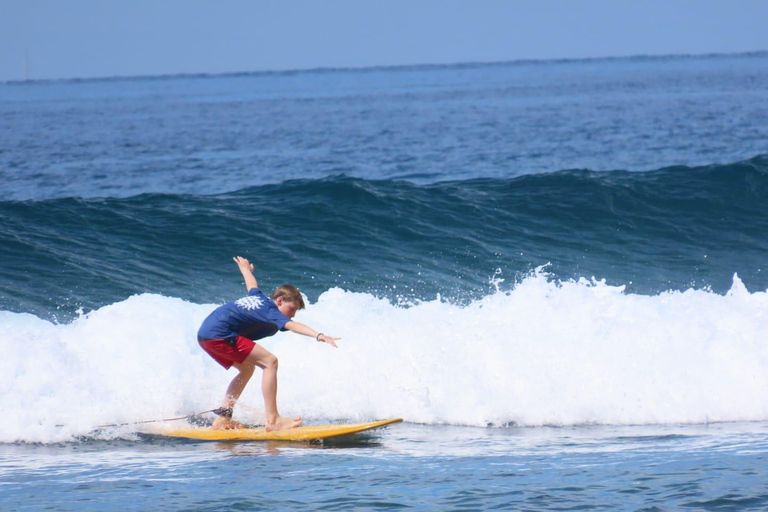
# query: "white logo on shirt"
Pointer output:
{"type": "Point", "coordinates": [250, 303]}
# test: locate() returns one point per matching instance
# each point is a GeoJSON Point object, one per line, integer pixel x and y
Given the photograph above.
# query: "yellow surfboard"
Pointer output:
{"type": "Point", "coordinates": [308, 433]}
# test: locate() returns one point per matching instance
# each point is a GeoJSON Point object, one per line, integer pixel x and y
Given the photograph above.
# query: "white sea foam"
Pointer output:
{"type": "Point", "coordinates": [545, 353]}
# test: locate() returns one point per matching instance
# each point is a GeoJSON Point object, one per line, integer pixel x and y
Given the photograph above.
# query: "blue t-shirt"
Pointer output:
{"type": "Point", "coordinates": [255, 316]}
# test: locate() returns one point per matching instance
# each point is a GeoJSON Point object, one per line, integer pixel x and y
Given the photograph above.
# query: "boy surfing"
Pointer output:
{"type": "Point", "coordinates": [228, 335]}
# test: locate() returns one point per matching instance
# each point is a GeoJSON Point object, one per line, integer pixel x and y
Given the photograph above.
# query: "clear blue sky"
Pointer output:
{"type": "Point", "coordinates": [95, 38]}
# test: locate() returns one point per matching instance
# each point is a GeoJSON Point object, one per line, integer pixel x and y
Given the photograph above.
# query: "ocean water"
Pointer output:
{"type": "Point", "coordinates": [554, 272]}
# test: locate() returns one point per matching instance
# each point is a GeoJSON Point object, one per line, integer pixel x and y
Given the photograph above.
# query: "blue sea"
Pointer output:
{"type": "Point", "coordinates": [553, 271]}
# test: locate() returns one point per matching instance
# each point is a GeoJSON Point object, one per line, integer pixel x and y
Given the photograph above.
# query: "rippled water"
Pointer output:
{"type": "Point", "coordinates": [713, 467]}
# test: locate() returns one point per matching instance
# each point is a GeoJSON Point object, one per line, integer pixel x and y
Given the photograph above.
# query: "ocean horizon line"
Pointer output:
{"type": "Point", "coordinates": [385, 67]}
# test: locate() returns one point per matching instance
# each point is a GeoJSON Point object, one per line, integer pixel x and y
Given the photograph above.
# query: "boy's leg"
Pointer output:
{"type": "Point", "coordinates": [236, 387]}
{"type": "Point", "coordinates": [234, 390]}
{"type": "Point", "coordinates": [265, 360]}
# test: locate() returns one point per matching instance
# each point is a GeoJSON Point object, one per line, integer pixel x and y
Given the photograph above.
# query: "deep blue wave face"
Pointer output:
{"type": "Point", "coordinates": [667, 229]}
{"type": "Point", "coordinates": [401, 182]}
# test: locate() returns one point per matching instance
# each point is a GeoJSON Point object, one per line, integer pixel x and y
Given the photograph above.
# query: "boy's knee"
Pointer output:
{"type": "Point", "coordinates": [271, 361]}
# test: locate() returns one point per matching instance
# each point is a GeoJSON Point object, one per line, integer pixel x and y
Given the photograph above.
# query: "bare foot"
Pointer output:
{"type": "Point", "coordinates": [224, 423]}
{"type": "Point", "coordinates": [282, 423]}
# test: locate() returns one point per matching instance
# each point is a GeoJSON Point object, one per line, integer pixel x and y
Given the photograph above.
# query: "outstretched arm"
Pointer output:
{"type": "Point", "coordinates": [306, 330]}
{"type": "Point", "coordinates": [247, 270]}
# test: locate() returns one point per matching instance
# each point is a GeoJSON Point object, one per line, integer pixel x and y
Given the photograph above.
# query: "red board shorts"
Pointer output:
{"type": "Point", "coordinates": [225, 354]}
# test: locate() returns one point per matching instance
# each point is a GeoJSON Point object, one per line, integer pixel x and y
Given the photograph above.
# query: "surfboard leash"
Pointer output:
{"type": "Point", "coordinates": [220, 411]}
{"type": "Point", "coordinates": [155, 421]}
{"type": "Point", "coordinates": [150, 421]}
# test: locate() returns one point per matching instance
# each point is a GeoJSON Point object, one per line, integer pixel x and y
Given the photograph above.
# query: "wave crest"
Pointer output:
{"type": "Point", "coordinates": [544, 353]}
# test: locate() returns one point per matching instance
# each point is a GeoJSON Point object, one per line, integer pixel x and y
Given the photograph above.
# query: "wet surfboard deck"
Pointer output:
{"type": "Point", "coordinates": [307, 433]}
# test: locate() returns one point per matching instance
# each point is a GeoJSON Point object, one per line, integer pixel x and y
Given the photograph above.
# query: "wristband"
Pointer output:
{"type": "Point", "coordinates": [318, 336]}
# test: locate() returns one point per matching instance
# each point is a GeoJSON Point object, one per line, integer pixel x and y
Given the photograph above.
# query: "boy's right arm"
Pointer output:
{"type": "Point", "coordinates": [300, 328]}
{"type": "Point", "coordinates": [247, 270]}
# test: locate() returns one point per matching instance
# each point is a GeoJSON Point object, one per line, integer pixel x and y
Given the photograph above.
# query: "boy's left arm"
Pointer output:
{"type": "Point", "coordinates": [300, 328]}
{"type": "Point", "coordinates": [247, 270]}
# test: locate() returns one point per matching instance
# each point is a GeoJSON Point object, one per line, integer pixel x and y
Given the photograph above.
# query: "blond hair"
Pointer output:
{"type": "Point", "coordinates": [289, 293]}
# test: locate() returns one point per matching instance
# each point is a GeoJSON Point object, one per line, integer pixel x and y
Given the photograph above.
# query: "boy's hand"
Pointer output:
{"type": "Point", "coordinates": [328, 339]}
{"type": "Point", "coordinates": [247, 270]}
{"type": "Point", "coordinates": [243, 263]}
